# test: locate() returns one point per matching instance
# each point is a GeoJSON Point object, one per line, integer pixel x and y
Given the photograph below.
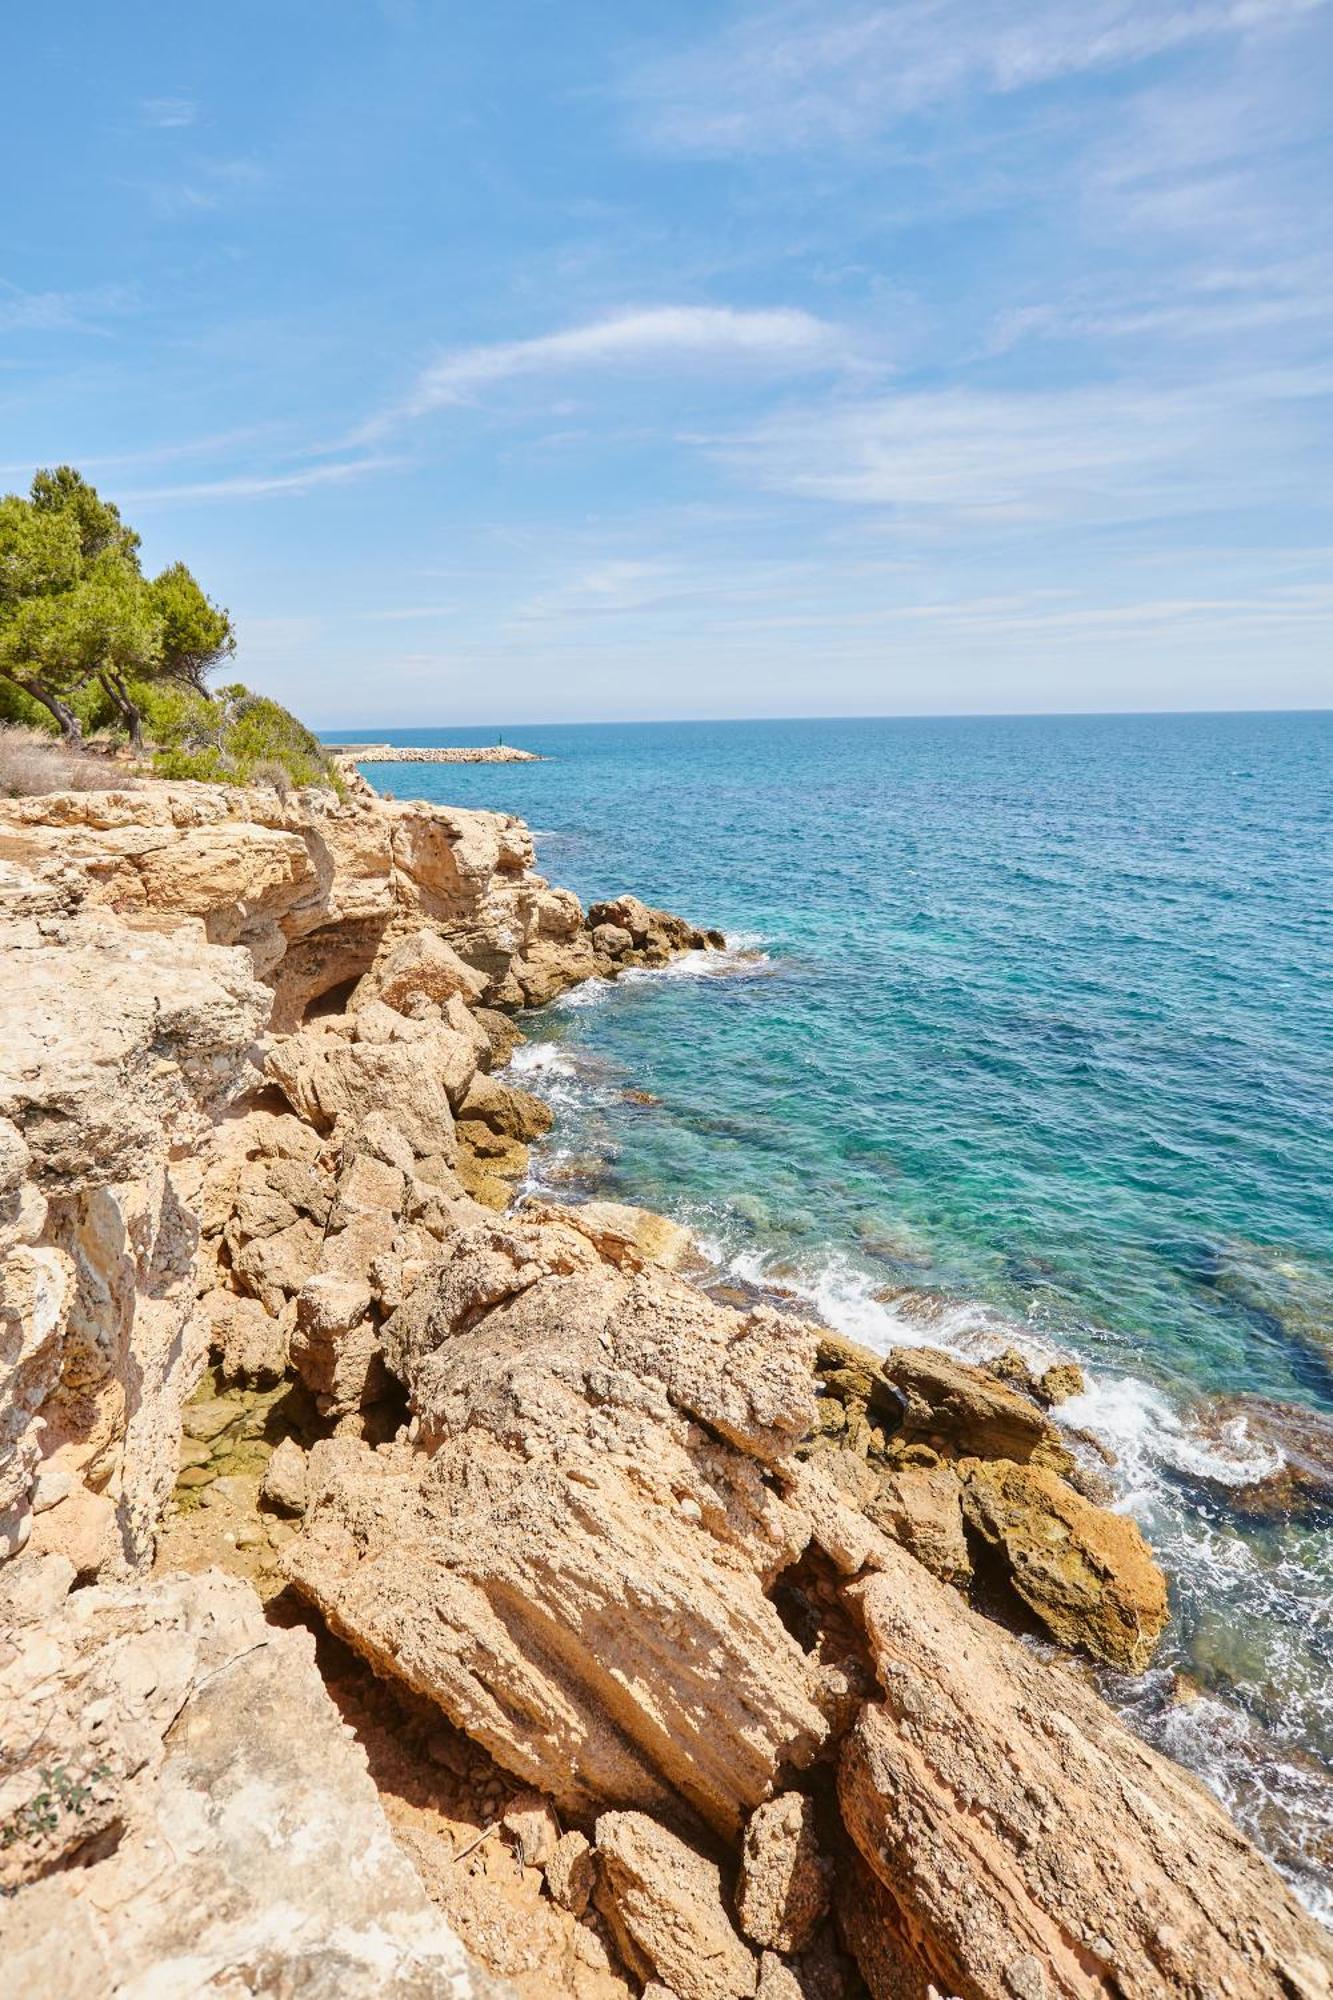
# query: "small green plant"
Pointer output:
{"type": "Point", "coordinates": [61, 1792]}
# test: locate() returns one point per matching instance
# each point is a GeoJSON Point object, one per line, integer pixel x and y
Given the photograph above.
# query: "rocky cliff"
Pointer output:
{"type": "Point", "coordinates": [685, 1599]}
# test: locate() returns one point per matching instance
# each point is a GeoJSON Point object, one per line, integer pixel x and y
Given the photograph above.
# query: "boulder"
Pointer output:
{"type": "Point", "coordinates": [571, 1873]}
{"type": "Point", "coordinates": [419, 965]}
{"type": "Point", "coordinates": [783, 1890]}
{"type": "Point", "coordinates": [185, 1811]}
{"type": "Point", "coordinates": [534, 1826]}
{"type": "Point", "coordinates": [1085, 1864]}
{"type": "Point", "coordinates": [335, 1346]}
{"type": "Point", "coordinates": [250, 1344]}
{"type": "Point", "coordinates": [326, 1078]}
{"type": "Point", "coordinates": [965, 1411]}
{"type": "Point", "coordinates": [283, 1486]}
{"type": "Point", "coordinates": [623, 1235]}
{"type": "Point", "coordinates": [514, 1114]}
{"type": "Point", "coordinates": [572, 1558]}
{"type": "Point", "coordinates": [1086, 1573]}
{"type": "Point", "coordinates": [272, 1269]}
{"type": "Point", "coordinates": [663, 1904]}
{"type": "Point", "coordinates": [921, 1507]}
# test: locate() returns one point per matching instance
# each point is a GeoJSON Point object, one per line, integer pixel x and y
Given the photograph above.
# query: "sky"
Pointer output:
{"type": "Point", "coordinates": [551, 360]}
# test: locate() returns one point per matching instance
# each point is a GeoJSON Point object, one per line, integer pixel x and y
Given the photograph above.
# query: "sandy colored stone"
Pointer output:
{"type": "Point", "coordinates": [284, 1482]}
{"type": "Point", "coordinates": [534, 1826]}
{"type": "Point", "coordinates": [250, 1344]}
{"type": "Point", "coordinates": [664, 1904]}
{"type": "Point", "coordinates": [1061, 1382]}
{"type": "Point", "coordinates": [921, 1507]}
{"type": "Point", "coordinates": [589, 1463]}
{"type": "Point", "coordinates": [966, 1411]}
{"type": "Point", "coordinates": [571, 1872]}
{"type": "Point", "coordinates": [162, 1726]}
{"type": "Point", "coordinates": [783, 1887]}
{"type": "Point", "coordinates": [326, 1078]}
{"type": "Point", "coordinates": [272, 1269]}
{"type": "Point", "coordinates": [1088, 1574]}
{"type": "Point", "coordinates": [515, 1114]}
{"type": "Point", "coordinates": [1081, 1850]}
{"type": "Point", "coordinates": [335, 1346]}
{"type": "Point", "coordinates": [626, 1236]}
{"type": "Point", "coordinates": [420, 964]}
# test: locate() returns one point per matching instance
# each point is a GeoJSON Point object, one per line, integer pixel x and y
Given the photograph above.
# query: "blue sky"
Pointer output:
{"type": "Point", "coordinates": [567, 361]}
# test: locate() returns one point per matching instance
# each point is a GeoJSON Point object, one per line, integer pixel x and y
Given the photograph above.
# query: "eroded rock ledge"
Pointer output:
{"type": "Point", "coordinates": [703, 1582]}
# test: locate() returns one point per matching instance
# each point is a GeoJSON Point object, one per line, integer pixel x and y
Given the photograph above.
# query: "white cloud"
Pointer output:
{"type": "Point", "coordinates": [168, 113]}
{"type": "Point", "coordinates": [810, 73]}
{"type": "Point", "coordinates": [54, 312]}
{"type": "Point", "coordinates": [249, 486]}
{"type": "Point", "coordinates": [781, 340]}
{"type": "Point", "coordinates": [970, 458]}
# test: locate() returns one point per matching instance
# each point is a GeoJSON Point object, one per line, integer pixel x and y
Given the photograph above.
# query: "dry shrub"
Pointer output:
{"type": "Point", "coordinates": [32, 764]}
{"type": "Point", "coordinates": [268, 771]}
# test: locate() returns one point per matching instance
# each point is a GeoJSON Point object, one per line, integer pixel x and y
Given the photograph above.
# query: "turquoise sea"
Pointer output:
{"type": "Point", "coordinates": [1025, 1036]}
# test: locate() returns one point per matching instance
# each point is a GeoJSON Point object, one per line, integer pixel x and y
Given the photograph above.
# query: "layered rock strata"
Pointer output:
{"type": "Point", "coordinates": [704, 1581]}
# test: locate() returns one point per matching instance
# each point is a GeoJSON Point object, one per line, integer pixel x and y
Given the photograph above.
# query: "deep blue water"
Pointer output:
{"type": "Point", "coordinates": [1035, 1043]}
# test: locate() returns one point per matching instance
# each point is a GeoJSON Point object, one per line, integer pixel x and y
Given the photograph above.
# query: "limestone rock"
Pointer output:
{"type": "Point", "coordinates": [571, 1872]}
{"type": "Point", "coordinates": [664, 1905]}
{"type": "Point", "coordinates": [1086, 1573]}
{"type": "Point", "coordinates": [783, 1889]}
{"type": "Point", "coordinates": [1060, 1382]}
{"type": "Point", "coordinates": [921, 1507]}
{"type": "Point", "coordinates": [419, 964]}
{"type": "Point", "coordinates": [250, 1344]}
{"type": "Point", "coordinates": [1084, 1865]}
{"type": "Point", "coordinates": [625, 1236]}
{"type": "Point", "coordinates": [514, 1114]}
{"type": "Point", "coordinates": [535, 1828]}
{"type": "Point", "coordinates": [572, 1560]}
{"type": "Point", "coordinates": [284, 1483]}
{"type": "Point", "coordinates": [188, 1813]}
{"type": "Point", "coordinates": [272, 1269]}
{"type": "Point", "coordinates": [966, 1411]}
{"type": "Point", "coordinates": [326, 1078]}
{"type": "Point", "coordinates": [335, 1346]}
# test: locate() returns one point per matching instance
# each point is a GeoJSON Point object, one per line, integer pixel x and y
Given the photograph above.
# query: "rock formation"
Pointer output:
{"type": "Point", "coordinates": [182, 1812]}
{"type": "Point", "coordinates": [690, 1580]}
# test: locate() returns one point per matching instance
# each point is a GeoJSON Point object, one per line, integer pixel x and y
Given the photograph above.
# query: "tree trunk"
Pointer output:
{"type": "Point", "coordinates": [129, 712]}
{"type": "Point", "coordinates": [70, 726]}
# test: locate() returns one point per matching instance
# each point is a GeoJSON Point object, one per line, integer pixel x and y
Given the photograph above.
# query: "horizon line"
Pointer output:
{"type": "Point", "coordinates": [913, 715]}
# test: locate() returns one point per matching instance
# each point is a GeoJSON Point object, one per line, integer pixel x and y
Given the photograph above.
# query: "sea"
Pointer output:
{"type": "Point", "coordinates": [1023, 1038]}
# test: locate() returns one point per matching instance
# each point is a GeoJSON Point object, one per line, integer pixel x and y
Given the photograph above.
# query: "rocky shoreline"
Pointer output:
{"type": "Point", "coordinates": [414, 1592]}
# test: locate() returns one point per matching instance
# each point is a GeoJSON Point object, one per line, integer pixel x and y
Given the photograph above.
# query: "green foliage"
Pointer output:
{"type": "Point", "coordinates": [77, 612]}
{"type": "Point", "coordinates": [60, 1792]}
{"type": "Point", "coordinates": [233, 737]}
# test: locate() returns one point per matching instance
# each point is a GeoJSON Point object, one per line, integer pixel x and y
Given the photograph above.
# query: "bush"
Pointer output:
{"type": "Point", "coordinates": [233, 738]}
{"type": "Point", "coordinates": [34, 762]}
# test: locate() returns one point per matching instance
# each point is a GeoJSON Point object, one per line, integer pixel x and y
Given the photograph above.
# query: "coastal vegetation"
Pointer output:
{"type": "Point", "coordinates": [91, 646]}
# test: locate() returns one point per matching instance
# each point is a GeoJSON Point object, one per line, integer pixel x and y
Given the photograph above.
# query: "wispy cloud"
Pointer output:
{"type": "Point", "coordinates": [55, 312]}
{"type": "Point", "coordinates": [967, 458]}
{"type": "Point", "coordinates": [168, 114]}
{"type": "Point", "coordinates": [811, 73]}
{"type": "Point", "coordinates": [204, 188]}
{"type": "Point", "coordinates": [256, 485]}
{"type": "Point", "coordinates": [780, 341]}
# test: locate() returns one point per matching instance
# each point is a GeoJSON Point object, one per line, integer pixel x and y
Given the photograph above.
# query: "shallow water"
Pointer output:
{"type": "Point", "coordinates": [1026, 1034]}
